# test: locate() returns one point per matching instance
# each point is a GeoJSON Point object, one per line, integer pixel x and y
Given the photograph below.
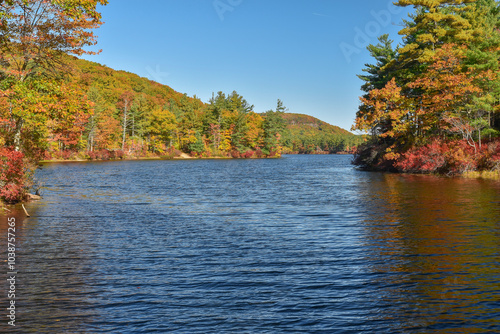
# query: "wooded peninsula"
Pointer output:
{"type": "Point", "coordinates": [431, 105]}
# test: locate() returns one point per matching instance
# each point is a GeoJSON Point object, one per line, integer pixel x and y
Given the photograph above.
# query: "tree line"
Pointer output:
{"type": "Point", "coordinates": [139, 117]}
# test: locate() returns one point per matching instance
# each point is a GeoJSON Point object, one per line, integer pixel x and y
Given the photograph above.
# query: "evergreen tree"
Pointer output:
{"type": "Point", "coordinates": [273, 126]}
{"type": "Point", "coordinates": [377, 76]}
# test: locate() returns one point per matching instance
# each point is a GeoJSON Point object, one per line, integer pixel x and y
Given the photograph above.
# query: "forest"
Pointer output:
{"type": "Point", "coordinates": [431, 105]}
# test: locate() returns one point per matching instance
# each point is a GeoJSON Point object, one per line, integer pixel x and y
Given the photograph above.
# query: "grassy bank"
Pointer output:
{"type": "Point", "coordinates": [489, 175]}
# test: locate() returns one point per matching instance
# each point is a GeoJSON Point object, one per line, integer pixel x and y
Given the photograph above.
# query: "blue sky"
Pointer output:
{"type": "Point", "coordinates": [305, 52]}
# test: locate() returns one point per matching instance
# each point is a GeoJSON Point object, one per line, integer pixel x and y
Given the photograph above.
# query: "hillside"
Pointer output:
{"type": "Point", "coordinates": [113, 83]}
{"type": "Point", "coordinates": [95, 112]}
{"type": "Point", "coordinates": [304, 134]}
{"type": "Point", "coordinates": [307, 134]}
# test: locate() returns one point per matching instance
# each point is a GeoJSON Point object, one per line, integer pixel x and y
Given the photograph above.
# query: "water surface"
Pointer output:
{"type": "Point", "coordinates": [303, 244]}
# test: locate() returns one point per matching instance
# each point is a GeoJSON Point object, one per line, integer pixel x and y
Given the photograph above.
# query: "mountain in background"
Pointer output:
{"type": "Point", "coordinates": [308, 135]}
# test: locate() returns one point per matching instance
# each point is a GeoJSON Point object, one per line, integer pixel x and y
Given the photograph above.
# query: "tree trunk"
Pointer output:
{"type": "Point", "coordinates": [124, 125]}
{"type": "Point", "coordinates": [17, 135]}
{"type": "Point", "coordinates": [133, 125]}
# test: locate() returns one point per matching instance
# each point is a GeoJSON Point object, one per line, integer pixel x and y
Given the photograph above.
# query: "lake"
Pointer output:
{"type": "Point", "coordinates": [302, 244]}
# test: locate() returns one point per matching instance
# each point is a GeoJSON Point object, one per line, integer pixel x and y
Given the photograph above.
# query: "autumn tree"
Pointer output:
{"type": "Point", "coordinates": [161, 127]}
{"type": "Point", "coordinates": [376, 77]}
{"type": "Point", "coordinates": [35, 38]}
{"type": "Point", "coordinates": [482, 56]}
{"type": "Point", "coordinates": [435, 23]}
{"type": "Point", "coordinates": [255, 131]}
{"type": "Point", "coordinates": [450, 93]}
{"type": "Point", "coordinates": [36, 34]}
{"type": "Point", "coordinates": [124, 104]}
{"type": "Point", "coordinates": [40, 111]}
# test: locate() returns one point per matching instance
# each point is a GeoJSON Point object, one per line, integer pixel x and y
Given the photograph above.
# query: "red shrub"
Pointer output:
{"type": "Point", "coordinates": [66, 154]}
{"type": "Point", "coordinates": [461, 157]}
{"type": "Point", "coordinates": [490, 156]}
{"type": "Point", "coordinates": [47, 155]}
{"type": "Point", "coordinates": [425, 159]}
{"type": "Point", "coordinates": [248, 154]}
{"type": "Point", "coordinates": [235, 154]}
{"type": "Point", "coordinates": [117, 154]}
{"type": "Point", "coordinates": [103, 154]}
{"type": "Point", "coordinates": [59, 155]}
{"type": "Point", "coordinates": [12, 175]}
{"type": "Point", "coordinates": [495, 157]}
{"type": "Point", "coordinates": [453, 157]}
{"type": "Point", "coordinates": [91, 155]}
{"type": "Point", "coordinates": [258, 153]}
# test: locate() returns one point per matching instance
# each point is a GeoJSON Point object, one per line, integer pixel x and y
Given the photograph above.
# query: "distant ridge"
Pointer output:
{"type": "Point", "coordinates": [307, 134]}
{"type": "Point", "coordinates": [304, 121]}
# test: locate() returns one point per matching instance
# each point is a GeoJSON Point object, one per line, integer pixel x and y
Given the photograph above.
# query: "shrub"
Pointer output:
{"type": "Point", "coordinates": [461, 158]}
{"type": "Point", "coordinates": [116, 154]}
{"type": "Point", "coordinates": [47, 155]}
{"type": "Point", "coordinates": [235, 154]}
{"type": "Point", "coordinates": [259, 153]}
{"type": "Point", "coordinates": [248, 154]}
{"type": "Point", "coordinates": [452, 158]}
{"type": "Point", "coordinates": [103, 154]}
{"type": "Point", "coordinates": [426, 159]}
{"type": "Point", "coordinates": [12, 175]}
{"type": "Point", "coordinates": [171, 153]}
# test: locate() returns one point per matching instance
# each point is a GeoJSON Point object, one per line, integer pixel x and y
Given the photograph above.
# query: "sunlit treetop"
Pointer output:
{"type": "Point", "coordinates": [34, 34]}
{"type": "Point", "coordinates": [434, 23]}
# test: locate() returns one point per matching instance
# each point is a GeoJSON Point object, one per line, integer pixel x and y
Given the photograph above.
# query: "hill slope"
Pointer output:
{"type": "Point", "coordinates": [304, 133]}
{"type": "Point", "coordinates": [307, 134]}
{"type": "Point", "coordinates": [97, 111]}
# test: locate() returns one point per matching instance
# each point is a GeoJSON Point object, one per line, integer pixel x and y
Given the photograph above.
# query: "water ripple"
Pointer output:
{"type": "Point", "coordinates": [303, 244]}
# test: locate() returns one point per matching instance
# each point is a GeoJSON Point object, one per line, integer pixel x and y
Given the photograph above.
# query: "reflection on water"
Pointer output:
{"type": "Point", "coordinates": [437, 245]}
{"type": "Point", "coordinates": [301, 244]}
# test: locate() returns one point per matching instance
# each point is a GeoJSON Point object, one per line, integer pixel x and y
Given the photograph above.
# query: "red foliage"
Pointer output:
{"type": "Point", "coordinates": [248, 154]}
{"type": "Point", "coordinates": [66, 155]}
{"type": "Point", "coordinates": [235, 154]}
{"type": "Point", "coordinates": [453, 157]}
{"type": "Point", "coordinates": [117, 154]}
{"type": "Point", "coordinates": [426, 159]}
{"type": "Point", "coordinates": [258, 153]}
{"type": "Point", "coordinates": [12, 175]}
{"type": "Point", "coordinates": [105, 154]}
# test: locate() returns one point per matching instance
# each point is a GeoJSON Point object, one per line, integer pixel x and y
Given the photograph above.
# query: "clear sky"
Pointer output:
{"type": "Point", "coordinates": [305, 52]}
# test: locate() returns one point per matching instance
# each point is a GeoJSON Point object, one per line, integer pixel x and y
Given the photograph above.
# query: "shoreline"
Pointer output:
{"type": "Point", "coordinates": [485, 174]}
{"type": "Point", "coordinates": [183, 156]}
{"type": "Point", "coordinates": [150, 158]}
